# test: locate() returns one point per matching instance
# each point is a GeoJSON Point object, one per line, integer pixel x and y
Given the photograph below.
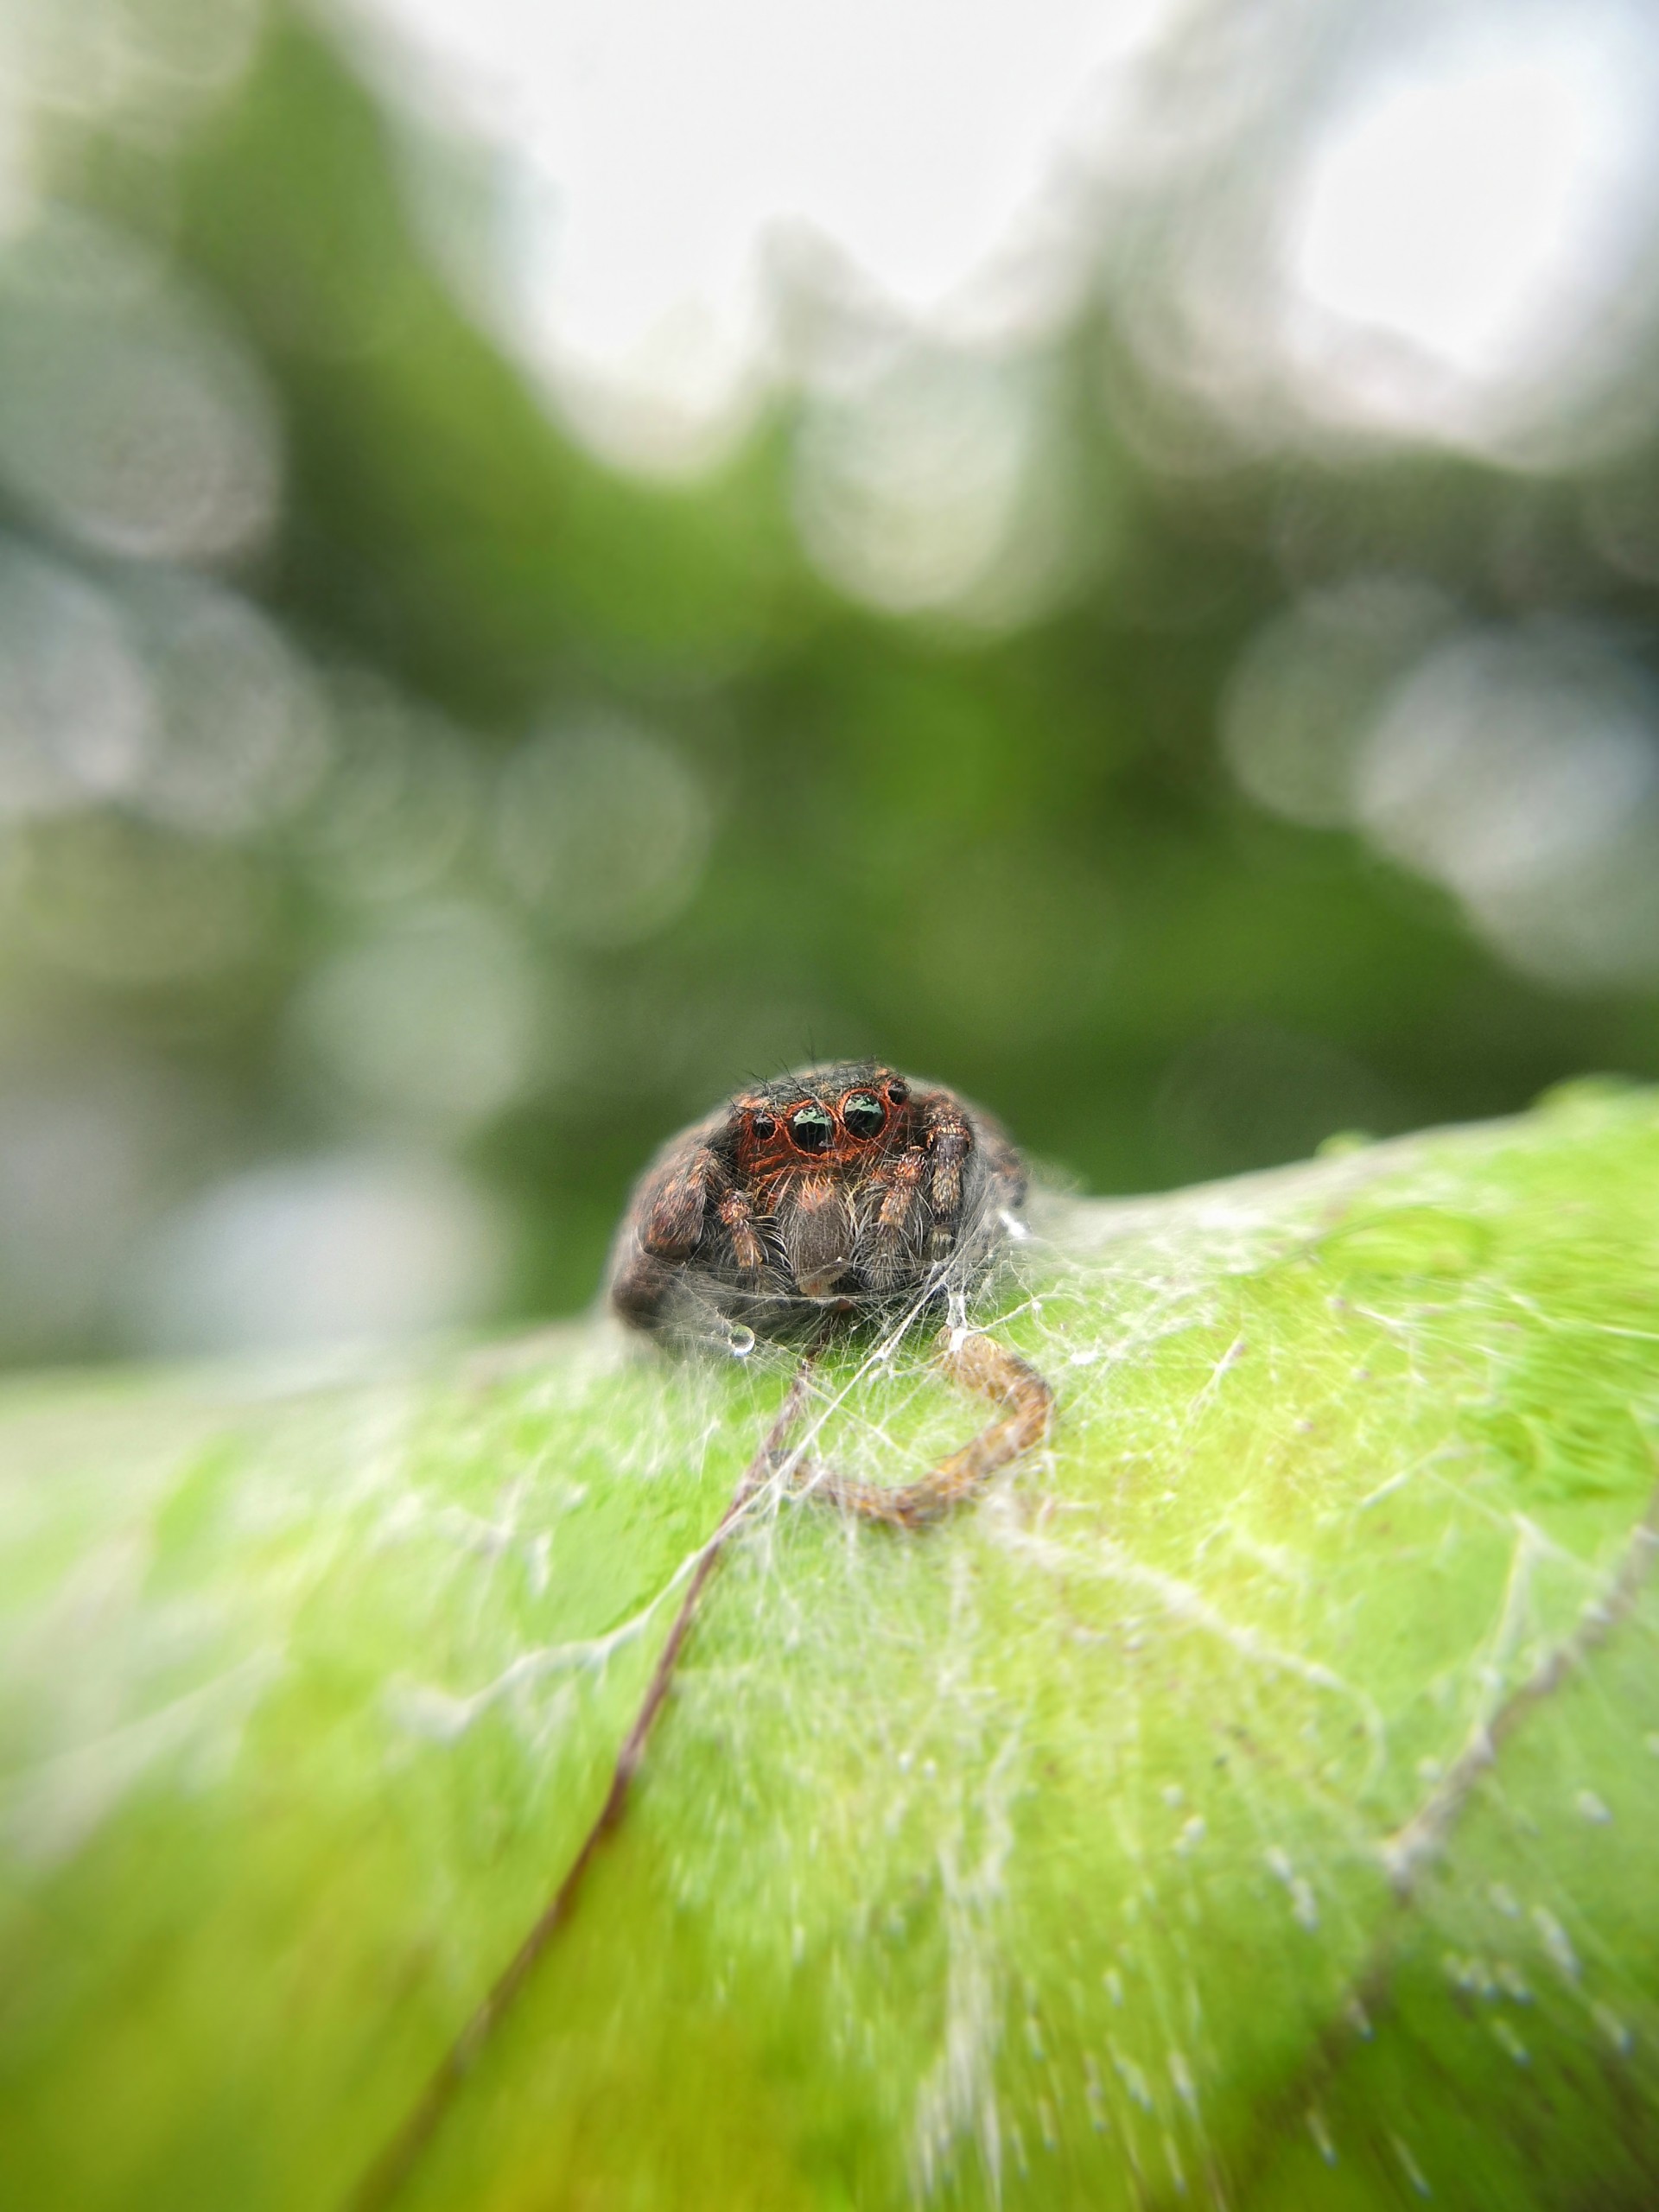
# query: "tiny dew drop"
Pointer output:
{"type": "Point", "coordinates": [740, 1341]}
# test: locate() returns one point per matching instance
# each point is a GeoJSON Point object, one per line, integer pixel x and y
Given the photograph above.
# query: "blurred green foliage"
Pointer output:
{"type": "Point", "coordinates": [1012, 857]}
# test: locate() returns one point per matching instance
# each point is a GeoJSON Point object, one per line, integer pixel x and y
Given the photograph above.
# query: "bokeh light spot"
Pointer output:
{"type": "Point", "coordinates": [604, 829]}
{"type": "Point", "coordinates": [345, 1247]}
{"type": "Point", "coordinates": [1302, 696]}
{"type": "Point", "coordinates": [399, 802]}
{"type": "Point", "coordinates": [1522, 771]}
{"type": "Point", "coordinates": [74, 694]}
{"type": "Point", "coordinates": [129, 415]}
{"type": "Point", "coordinates": [939, 485]}
{"type": "Point", "coordinates": [238, 737]}
{"type": "Point", "coordinates": [437, 1021]}
{"type": "Point", "coordinates": [1461, 227]}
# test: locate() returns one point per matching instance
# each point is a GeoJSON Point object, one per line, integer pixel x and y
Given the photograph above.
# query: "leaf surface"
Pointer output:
{"type": "Point", "coordinates": [1249, 1803]}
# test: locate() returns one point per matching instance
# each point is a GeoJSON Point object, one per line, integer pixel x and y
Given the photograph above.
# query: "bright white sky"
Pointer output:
{"type": "Point", "coordinates": [1456, 229]}
{"type": "Point", "coordinates": [662, 144]}
{"type": "Point", "coordinates": [1475, 208]}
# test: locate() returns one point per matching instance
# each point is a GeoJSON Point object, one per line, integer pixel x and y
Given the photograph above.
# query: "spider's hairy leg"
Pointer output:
{"type": "Point", "coordinates": [642, 1289]}
{"type": "Point", "coordinates": [950, 1141]}
{"type": "Point", "coordinates": [981, 1365]}
{"type": "Point", "coordinates": [737, 1214]}
{"type": "Point", "coordinates": [1003, 1166]}
{"type": "Point", "coordinates": [892, 1255]}
{"type": "Point", "coordinates": [664, 1229]}
{"type": "Point", "coordinates": [671, 1205]}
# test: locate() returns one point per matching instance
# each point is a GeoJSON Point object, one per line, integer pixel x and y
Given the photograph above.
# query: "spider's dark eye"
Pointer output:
{"type": "Point", "coordinates": [763, 1126]}
{"type": "Point", "coordinates": [812, 1127]}
{"type": "Point", "coordinates": [897, 1090]}
{"type": "Point", "coordinates": [862, 1114]}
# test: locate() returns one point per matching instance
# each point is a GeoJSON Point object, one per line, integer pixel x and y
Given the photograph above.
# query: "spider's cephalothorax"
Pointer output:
{"type": "Point", "coordinates": [838, 1189]}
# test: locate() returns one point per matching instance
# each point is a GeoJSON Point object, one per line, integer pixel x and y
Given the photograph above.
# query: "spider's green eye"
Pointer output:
{"type": "Point", "coordinates": [863, 1115]}
{"type": "Point", "coordinates": [812, 1127]}
{"type": "Point", "coordinates": [762, 1126]}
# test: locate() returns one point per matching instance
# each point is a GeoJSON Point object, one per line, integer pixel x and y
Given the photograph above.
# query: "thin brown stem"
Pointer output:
{"type": "Point", "coordinates": [389, 2171]}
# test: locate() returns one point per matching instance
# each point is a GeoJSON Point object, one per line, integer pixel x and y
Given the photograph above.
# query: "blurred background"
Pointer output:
{"type": "Point", "coordinates": [558, 554]}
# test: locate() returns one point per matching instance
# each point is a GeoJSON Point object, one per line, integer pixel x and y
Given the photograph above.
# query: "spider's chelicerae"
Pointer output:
{"type": "Point", "coordinates": [847, 1191]}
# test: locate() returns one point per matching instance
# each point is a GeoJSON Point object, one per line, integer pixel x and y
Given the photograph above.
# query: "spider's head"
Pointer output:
{"type": "Point", "coordinates": [812, 1151]}
{"type": "Point", "coordinates": [829, 1122]}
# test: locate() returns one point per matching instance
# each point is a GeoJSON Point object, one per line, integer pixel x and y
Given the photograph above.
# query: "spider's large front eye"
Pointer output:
{"type": "Point", "coordinates": [812, 1127]}
{"type": "Point", "coordinates": [864, 1113]}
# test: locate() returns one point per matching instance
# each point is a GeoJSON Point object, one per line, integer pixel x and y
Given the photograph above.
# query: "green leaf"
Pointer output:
{"type": "Point", "coordinates": [1247, 1803]}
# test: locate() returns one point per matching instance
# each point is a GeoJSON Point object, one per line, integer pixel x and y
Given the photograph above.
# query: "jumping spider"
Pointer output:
{"type": "Point", "coordinates": [848, 1191]}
